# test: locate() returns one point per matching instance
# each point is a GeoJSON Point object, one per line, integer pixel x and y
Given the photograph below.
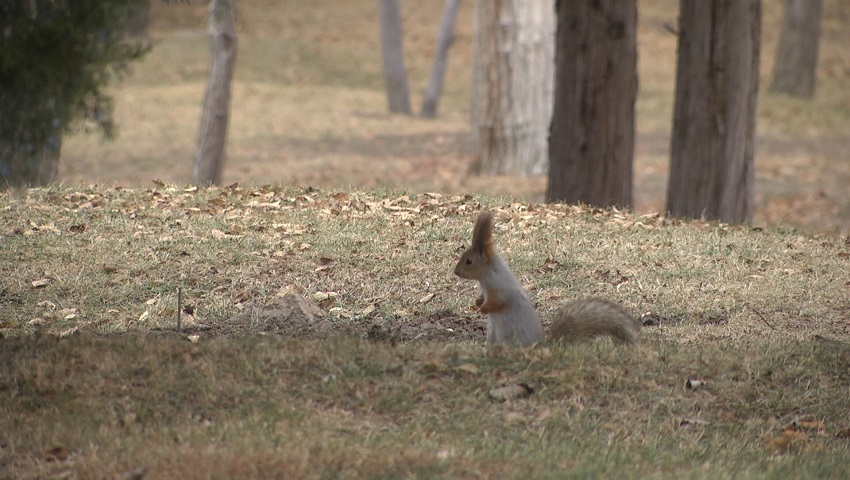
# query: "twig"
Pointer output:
{"type": "Point", "coordinates": [179, 307]}
{"type": "Point", "coordinates": [761, 317]}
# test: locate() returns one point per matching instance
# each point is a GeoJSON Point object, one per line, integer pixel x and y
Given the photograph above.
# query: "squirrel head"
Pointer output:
{"type": "Point", "coordinates": [475, 259]}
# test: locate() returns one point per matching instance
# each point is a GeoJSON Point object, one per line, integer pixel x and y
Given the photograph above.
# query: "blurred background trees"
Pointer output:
{"type": "Point", "coordinates": [309, 104]}
{"type": "Point", "coordinates": [56, 60]}
{"type": "Point", "coordinates": [795, 69]}
{"type": "Point", "coordinates": [392, 55]}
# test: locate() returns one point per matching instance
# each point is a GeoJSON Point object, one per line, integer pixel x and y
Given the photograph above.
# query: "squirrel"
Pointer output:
{"type": "Point", "coordinates": [511, 317]}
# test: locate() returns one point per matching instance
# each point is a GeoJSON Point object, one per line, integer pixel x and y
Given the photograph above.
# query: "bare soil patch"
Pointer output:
{"type": "Point", "coordinates": [293, 316]}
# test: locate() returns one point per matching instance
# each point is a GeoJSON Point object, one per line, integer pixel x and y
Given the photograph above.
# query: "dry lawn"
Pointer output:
{"type": "Point", "coordinates": [394, 379]}
{"type": "Point", "coordinates": [385, 374]}
{"type": "Point", "coordinates": [309, 109]}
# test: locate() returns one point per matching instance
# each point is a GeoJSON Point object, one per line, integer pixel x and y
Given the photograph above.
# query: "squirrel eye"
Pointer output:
{"type": "Point", "coordinates": [469, 261]}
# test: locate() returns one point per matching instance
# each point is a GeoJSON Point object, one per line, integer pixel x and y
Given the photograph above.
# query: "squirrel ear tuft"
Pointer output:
{"type": "Point", "coordinates": [482, 234]}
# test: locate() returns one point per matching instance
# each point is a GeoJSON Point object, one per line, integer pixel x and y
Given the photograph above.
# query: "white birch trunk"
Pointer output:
{"type": "Point", "coordinates": [512, 91]}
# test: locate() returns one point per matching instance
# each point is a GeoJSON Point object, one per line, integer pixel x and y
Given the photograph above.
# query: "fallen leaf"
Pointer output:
{"type": "Point", "coordinates": [694, 383]}
{"type": "Point", "coordinates": [325, 299]}
{"type": "Point", "coordinates": [543, 414]}
{"type": "Point", "coordinates": [446, 453]}
{"type": "Point", "coordinates": [40, 283]}
{"type": "Point", "coordinates": [686, 422]}
{"type": "Point", "coordinates": [340, 312]}
{"type": "Point", "coordinates": [511, 417]}
{"type": "Point", "coordinates": [805, 424]}
{"type": "Point", "coordinates": [427, 298]}
{"type": "Point", "coordinates": [468, 368]}
{"type": "Point", "coordinates": [511, 391]}
{"type": "Point", "coordinates": [68, 332]}
{"type": "Point", "coordinates": [326, 261]}
{"type": "Point", "coordinates": [787, 440]}
{"type": "Point", "coordinates": [57, 454]}
{"type": "Point", "coordinates": [193, 338]}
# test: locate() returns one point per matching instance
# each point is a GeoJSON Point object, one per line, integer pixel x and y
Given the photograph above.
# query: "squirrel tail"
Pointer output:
{"type": "Point", "coordinates": [593, 317]}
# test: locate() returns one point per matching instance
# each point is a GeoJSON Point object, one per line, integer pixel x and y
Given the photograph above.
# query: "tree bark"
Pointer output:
{"type": "Point", "coordinates": [714, 117]}
{"type": "Point", "coordinates": [212, 136]}
{"type": "Point", "coordinates": [29, 160]}
{"type": "Point", "coordinates": [30, 165]}
{"type": "Point", "coordinates": [795, 70]}
{"type": "Point", "coordinates": [392, 54]}
{"type": "Point", "coordinates": [591, 140]}
{"type": "Point", "coordinates": [513, 73]}
{"type": "Point", "coordinates": [138, 19]}
{"type": "Point", "coordinates": [445, 38]}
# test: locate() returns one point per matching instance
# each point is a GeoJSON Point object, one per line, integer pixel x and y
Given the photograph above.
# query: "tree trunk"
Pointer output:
{"type": "Point", "coordinates": [794, 72]}
{"type": "Point", "coordinates": [714, 117]}
{"type": "Point", "coordinates": [438, 70]}
{"type": "Point", "coordinates": [28, 160]}
{"type": "Point", "coordinates": [591, 141]}
{"type": "Point", "coordinates": [212, 138]}
{"type": "Point", "coordinates": [30, 166]}
{"type": "Point", "coordinates": [138, 19]}
{"type": "Point", "coordinates": [392, 53]}
{"type": "Point", "coordinates": [513, 73]}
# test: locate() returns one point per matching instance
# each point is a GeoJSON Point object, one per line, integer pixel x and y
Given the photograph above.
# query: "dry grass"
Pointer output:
{"type": "Point", "coordinates": [94, 383]}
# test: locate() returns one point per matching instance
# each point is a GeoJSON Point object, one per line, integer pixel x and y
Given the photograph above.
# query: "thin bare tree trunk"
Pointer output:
{"type": "Point", "coordinates": [591, 141]}
{"type": "Point", "coordinates": [794, 72]}
{"type": "Point", "coordinates": [714, 117]}
{"type": "Point", "coordinates": [513, 73]}
{"type": "Point", "coordinates": [212, 136]}
{"type": "Point", "coordinates": [392, 54]}
{"type": "Point", "coordinates": [445, 38]}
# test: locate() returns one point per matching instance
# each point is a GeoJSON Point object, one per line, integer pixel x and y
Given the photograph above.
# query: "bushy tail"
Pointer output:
{"type": "Point", "coordinates": [593, 317]}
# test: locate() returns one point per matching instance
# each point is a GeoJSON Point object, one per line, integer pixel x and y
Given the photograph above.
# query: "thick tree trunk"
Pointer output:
{"type": "Point", "coordinates": [30, 166]}
{"type": "Point", "coordinates": [212, 137]}
{"type": "Point", "coordinates": [392, 54]}
{"type": "Point", "coordinates": [513, 73]}
{"type": "Point", "coordinates": [27, 159]}
{"type": "Point", "coordinates": [444, 40]}
{"type": "Point", "coordinates": [714, 118]}
{"type": "Point", "coordinates": [794, 72]}
{"type": "Point", "coordinates": [591, 142]}
{"type": "Point", "coordinates": [138, 19]}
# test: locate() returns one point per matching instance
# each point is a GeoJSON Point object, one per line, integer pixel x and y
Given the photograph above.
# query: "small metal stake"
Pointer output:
{"type": "Point", "coordinates": [179, 307]}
